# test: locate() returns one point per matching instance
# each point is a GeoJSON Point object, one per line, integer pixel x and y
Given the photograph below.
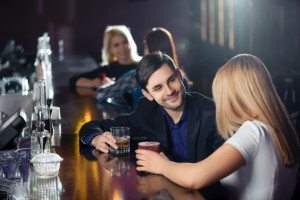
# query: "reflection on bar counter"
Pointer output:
{"type": "Point", "coordinates": [121, 167]}
{"type": "Point", "coordinates": [39, 188]}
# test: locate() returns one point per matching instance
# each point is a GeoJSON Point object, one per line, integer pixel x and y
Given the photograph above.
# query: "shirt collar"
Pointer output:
{"type": "Point", "coordinates": [183, 117]}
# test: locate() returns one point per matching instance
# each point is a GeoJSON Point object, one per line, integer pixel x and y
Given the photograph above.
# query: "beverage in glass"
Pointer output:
{"type": "Point", "coordinates": [122, 135]}
{"type": "Point", "coordinates": [149, 145]}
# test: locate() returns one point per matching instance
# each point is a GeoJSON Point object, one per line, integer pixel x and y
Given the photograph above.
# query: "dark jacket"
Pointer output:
{"type": "Point", "coordinates": [148, 121]}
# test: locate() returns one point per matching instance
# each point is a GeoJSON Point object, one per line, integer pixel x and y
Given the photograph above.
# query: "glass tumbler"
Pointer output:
{"type": "Point", "coordinates": [122, 135]}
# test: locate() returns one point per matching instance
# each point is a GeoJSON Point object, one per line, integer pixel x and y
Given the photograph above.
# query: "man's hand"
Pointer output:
{"type": "Point", "coordinates": [104, 141]}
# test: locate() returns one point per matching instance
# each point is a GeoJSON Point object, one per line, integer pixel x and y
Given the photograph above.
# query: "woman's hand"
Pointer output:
{"type": "Point", "coordinates": [97, 82]}
{"type": "Point", "coordinates": [150, 161]}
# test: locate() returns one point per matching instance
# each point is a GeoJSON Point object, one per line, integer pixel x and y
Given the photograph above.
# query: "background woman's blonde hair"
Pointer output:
{"type": "Point", "coordinates": [111, 31]}
{"type": "Point", "coordinates": [243, 90]}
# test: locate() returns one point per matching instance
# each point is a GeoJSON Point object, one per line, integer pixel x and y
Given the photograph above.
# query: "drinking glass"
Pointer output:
{"type": "Point", "coordinates": [40, 94]}
{"type": "Point", "coordinates": [40, 105]}
{"type": "Point", "coordinates": [122, 135]}
{"type": "Point", "coordinates": [149, 145]}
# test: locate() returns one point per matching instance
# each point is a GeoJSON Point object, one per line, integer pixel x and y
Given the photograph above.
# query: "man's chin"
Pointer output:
{"type": "Point", "coordinates": [174, 106]}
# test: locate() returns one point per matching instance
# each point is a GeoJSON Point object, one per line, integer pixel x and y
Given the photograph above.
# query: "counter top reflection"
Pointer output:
{"type": "Point", "coordinates": [88, 174]}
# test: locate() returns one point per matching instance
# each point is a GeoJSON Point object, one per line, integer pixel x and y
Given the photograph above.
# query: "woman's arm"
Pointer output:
{"type": "Point", "coordinates": [221, 163]}
{"type": "Point", "coordinates": [85, 82]}
{"type": "Point", "coordinates": [88, 79]}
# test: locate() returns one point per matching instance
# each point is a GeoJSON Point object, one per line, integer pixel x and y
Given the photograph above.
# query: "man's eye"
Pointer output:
{"type": "Point", "coordinates": [157, 89]}
{"type": "Point", "coordinates": [172, 80]}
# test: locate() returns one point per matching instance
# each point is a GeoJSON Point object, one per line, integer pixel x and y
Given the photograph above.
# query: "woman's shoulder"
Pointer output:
{"type": "Point", "coordinates": [253, 126]}
{"type": "Point", "coordinates": [247, 139]}
{"type": "Point", "coordinates": [251, 130]}
{"type": "Point", "coordinates": [256, 125]}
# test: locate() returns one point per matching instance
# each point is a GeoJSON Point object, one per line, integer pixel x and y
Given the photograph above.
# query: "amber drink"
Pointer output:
{"type": "Point", "coordinates": [122, 136]}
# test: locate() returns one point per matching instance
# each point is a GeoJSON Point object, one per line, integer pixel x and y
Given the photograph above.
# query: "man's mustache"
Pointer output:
{"type": "Point", "coordinates": [170, 96]}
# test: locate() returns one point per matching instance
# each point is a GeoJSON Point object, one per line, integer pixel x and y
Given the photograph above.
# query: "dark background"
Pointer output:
{"type": "Point", "coordinates": [269, 29]}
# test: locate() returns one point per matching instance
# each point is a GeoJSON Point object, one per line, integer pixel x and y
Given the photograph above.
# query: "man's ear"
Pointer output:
{"type": "Point", "coordinates": [147, 95]}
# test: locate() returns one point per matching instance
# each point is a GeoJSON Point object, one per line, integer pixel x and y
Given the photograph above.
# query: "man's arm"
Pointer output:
{"type": "Point", "coordinates": [96, 133]}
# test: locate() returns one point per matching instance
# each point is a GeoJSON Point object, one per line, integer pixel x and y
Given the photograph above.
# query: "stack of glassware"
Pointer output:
{"type": "Point", "coordinates": [45, 163]}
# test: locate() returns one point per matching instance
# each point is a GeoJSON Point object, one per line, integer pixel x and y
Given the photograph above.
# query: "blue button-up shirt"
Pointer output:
{"type": "Point", "coordinates": [179, 137]}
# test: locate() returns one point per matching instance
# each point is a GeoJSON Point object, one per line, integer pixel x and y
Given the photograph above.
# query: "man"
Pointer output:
{"type": "Point", "coordinates": [182, 122]}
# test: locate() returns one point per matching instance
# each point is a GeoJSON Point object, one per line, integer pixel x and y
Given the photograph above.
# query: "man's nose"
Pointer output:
{"type": "Point", "coordinates": [169, 90]}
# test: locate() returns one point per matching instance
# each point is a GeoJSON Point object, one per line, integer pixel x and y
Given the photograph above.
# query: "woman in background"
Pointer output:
{"type": "Point", "coordinates": [119, 55]}
{"type": "Point", "coordinates": [157, 39]}
{"type": "Point", "coordinates": [260, 158]}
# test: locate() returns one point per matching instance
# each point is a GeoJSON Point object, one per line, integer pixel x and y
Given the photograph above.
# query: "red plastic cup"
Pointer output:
{"type": "Point", "coordinates": [148, 145]}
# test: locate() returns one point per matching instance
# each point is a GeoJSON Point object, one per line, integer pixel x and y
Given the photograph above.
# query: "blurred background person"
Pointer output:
{"type": "Point", "coordinates": [160, 39]}
{"type": "Point", "coordinates": [126, 88]}
{"type": "Point", "coordinates": [260, 157]}
{"type": "Point", "coordinates": [119, 55]}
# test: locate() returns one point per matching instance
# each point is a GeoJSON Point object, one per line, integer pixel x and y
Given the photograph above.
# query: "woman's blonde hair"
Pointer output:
{"type": "Point", "coordinates": [243, 90]}
{"type": "Point", "coordinates": [111, 31]}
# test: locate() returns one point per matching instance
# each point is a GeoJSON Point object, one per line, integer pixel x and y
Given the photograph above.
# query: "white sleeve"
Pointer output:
{"type": "Point", "coordinates": [246, 140]}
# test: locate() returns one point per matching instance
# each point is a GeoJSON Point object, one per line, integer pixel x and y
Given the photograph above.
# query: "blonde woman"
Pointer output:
{"type": "Point", "coordinates": [259, 158]}
{"type": "Point", "coordinates": [119, 55]}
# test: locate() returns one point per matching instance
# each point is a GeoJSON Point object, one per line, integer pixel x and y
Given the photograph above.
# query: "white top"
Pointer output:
{"type": "Point", "coordinates": [263, 176]}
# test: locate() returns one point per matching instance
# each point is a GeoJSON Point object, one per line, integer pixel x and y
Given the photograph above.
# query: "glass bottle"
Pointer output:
{"type": "Point", "coordinates": [40, 138]}
{"type": "Point", "coordinates": [41, 104]}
